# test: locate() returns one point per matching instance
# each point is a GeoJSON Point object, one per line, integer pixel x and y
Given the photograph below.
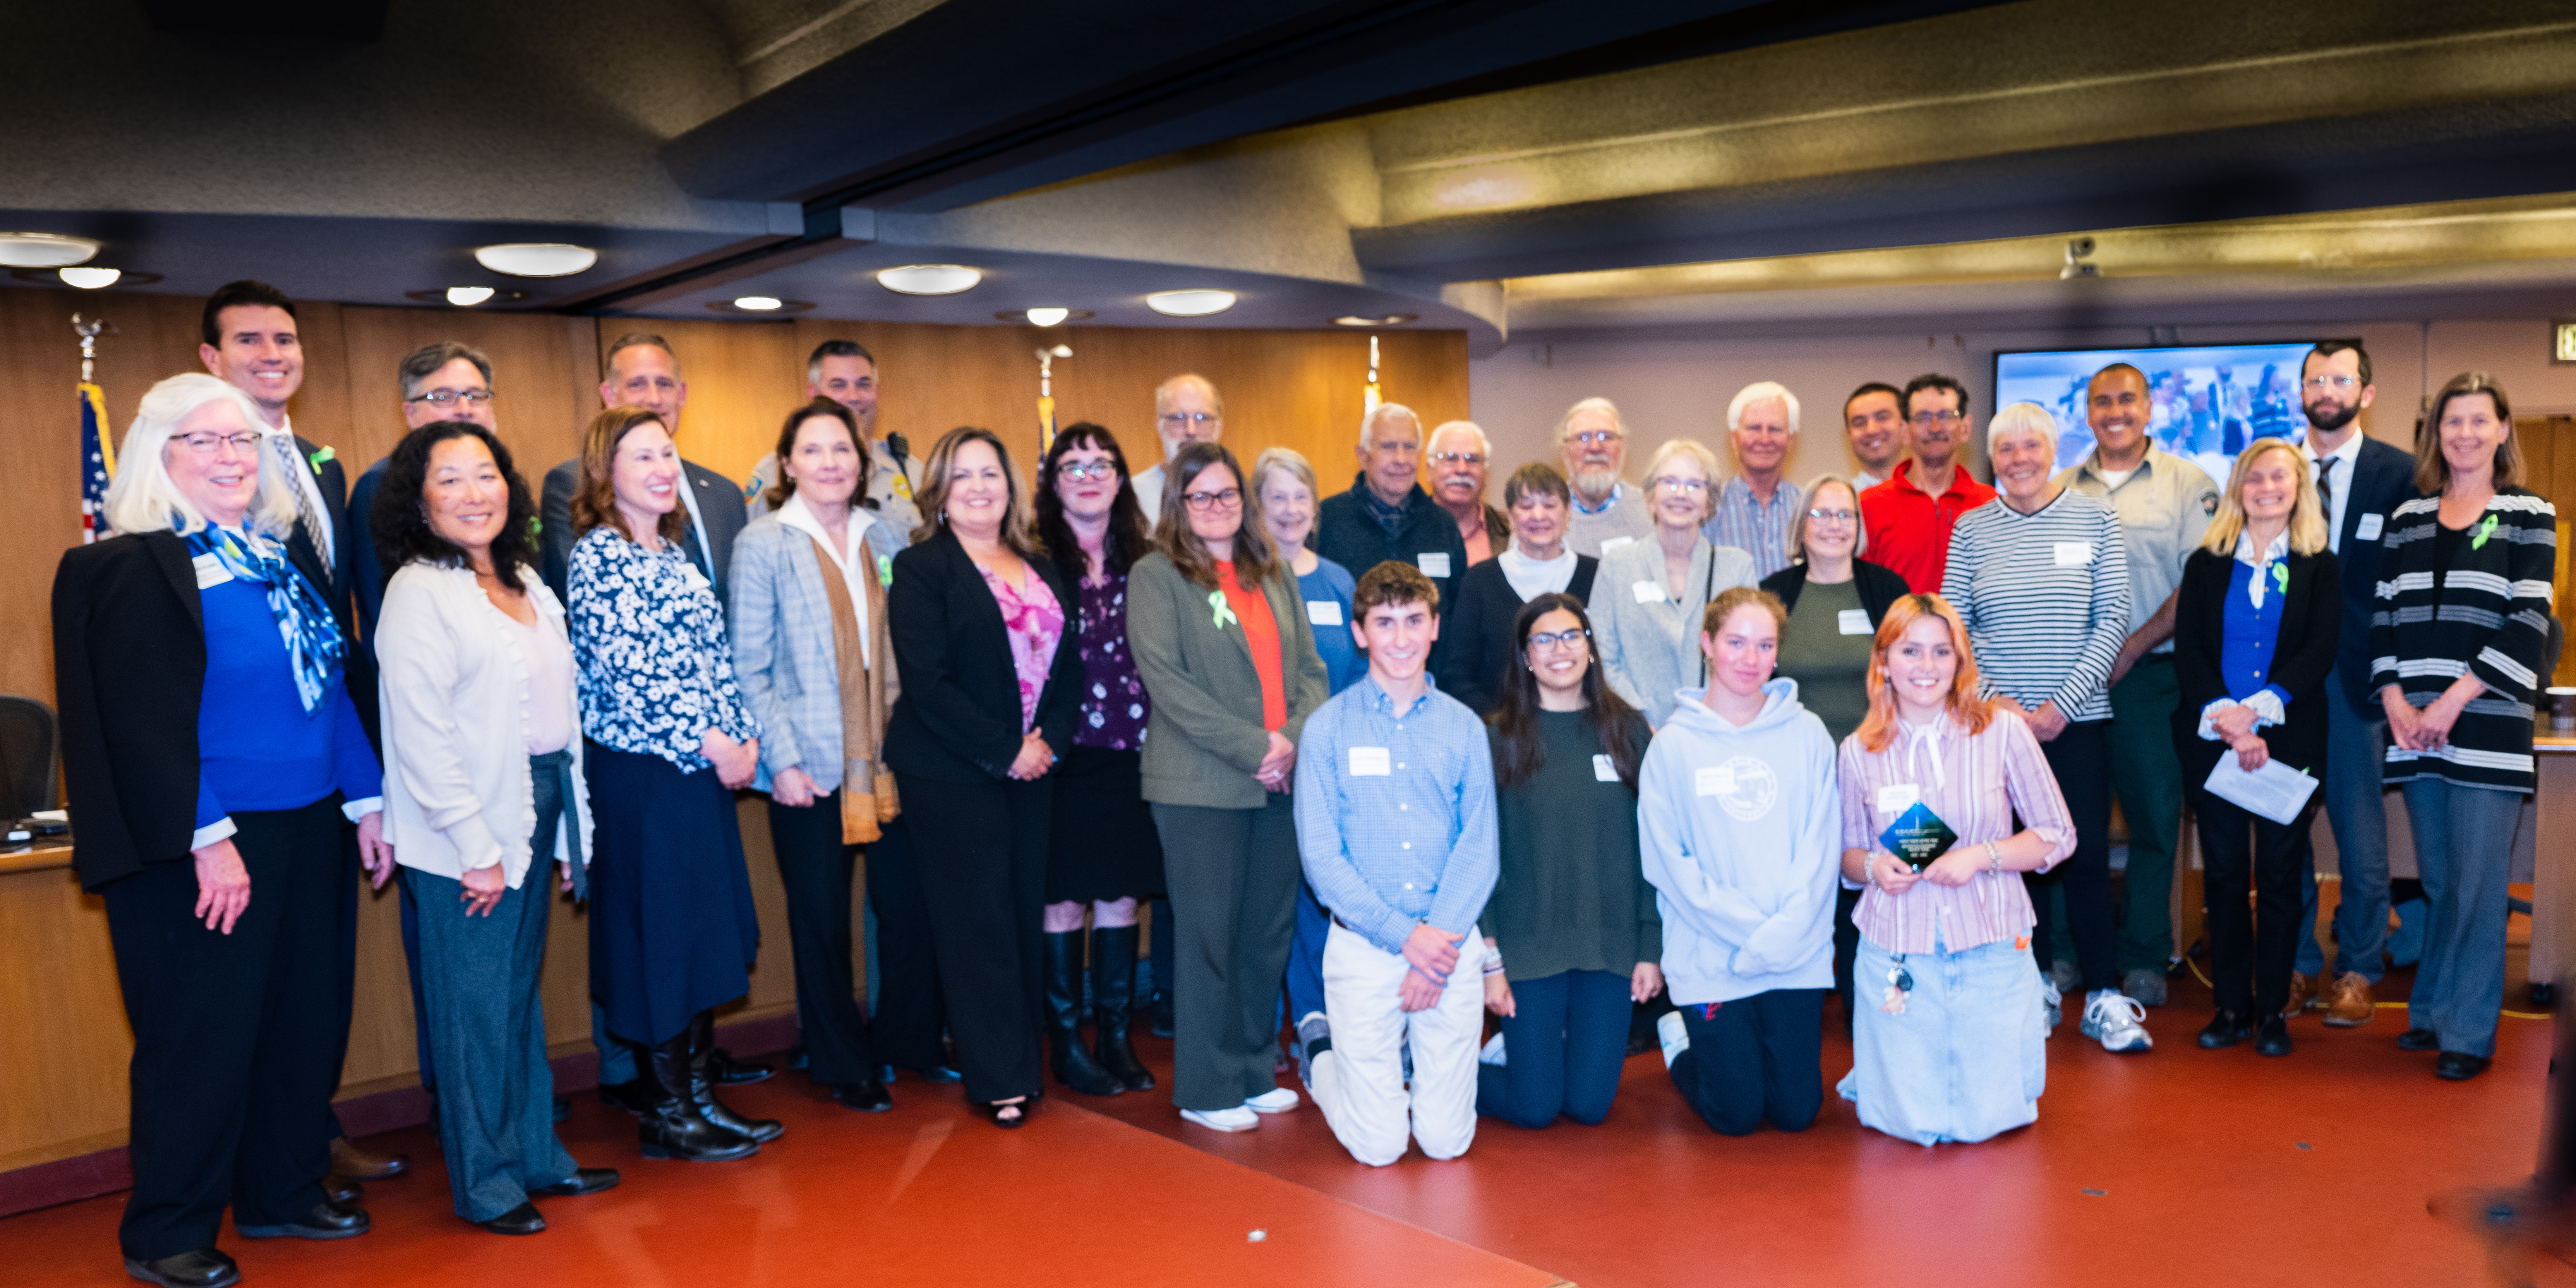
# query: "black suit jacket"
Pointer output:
{"type": "Point", "coordinates": [336, 581]}
{"type": "Point", "coordinates": [2311, 622]}
{"type": "Point", "coordinates": [2383, 478]}
{"type": "Point", "coordinates": [129, 674]}
{"type": "Point", "coordinates": [958, 719]}
{"type": "Point", "coordinates": [1475, 651]}
{"type": "Point", "coordinates": [719, 499]}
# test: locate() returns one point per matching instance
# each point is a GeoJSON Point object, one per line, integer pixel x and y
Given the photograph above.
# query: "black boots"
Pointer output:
{"type": "Point", "coordinates": [702, 1088]}
{"type": "Point", "coordinates": [1073, 1066]}
{"type": "Point", "coordinates": [672, 1125]}
{"type": "Point", "coordinates": [1113, 990]}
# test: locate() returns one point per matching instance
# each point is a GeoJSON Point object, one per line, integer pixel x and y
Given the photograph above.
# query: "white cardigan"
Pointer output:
{"type": "Point", "coordinates": [453, 685]}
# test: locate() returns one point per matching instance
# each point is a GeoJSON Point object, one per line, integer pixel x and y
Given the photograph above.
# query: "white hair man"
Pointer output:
{"type": "Point", "coordinates": [1592, 441]}
{"type": "Point", "coordinates": [1186, 410]}
{"type": "Point", "coordinates": [1461, 462]}
{"type": "Point", "coordinates": [1387, 515]}
{"type": "Point", "coordinates": [1755, 511]}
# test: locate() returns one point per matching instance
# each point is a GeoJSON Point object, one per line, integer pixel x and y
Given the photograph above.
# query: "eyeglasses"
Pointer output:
{"type": "Point", "coordinates": [1838, 516]}
{"type": "Point", "coordinates": [1598, 437]}
{"type": "Point", "coordinates": [1080, 471]}
{"type": "Point", "coordinates": [446, 397]}
{"type": "Point", "coordinates": [1177, 418]}
{"type": "Point", "coordinates": [1928, 419]}
{"type": "Point", "coordinates": [209, 444]}
{"type": "Point", "coordinates": [1458, 458]}
{"type": "Point", "coordinates": [2340, 384]}
{"type": "Point", "coordinates": [1546, 643]}
{"type": "Point", "coordinates": [1674, 483]}
{"type": "Point", "coordinates": [1222, 500]}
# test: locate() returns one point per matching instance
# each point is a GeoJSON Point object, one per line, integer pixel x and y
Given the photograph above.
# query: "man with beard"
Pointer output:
{"type": "Point", "coordinates": [2361, 480]}
{"type": "Point", "coordinates": [1874, 416]}
{"type": "Point", "coordinates": [1754, 512]}
{"type": "Point", "coordinates": [1909, 517]}
{"type": "Point", "coordinates": [1461, 455]}
{"type": "Point", "coordinates": [1608, 513]}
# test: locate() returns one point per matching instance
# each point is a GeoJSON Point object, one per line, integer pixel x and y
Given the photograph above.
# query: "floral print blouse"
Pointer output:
{"type": "Point", "coordinates": [654, 667]}
{"type": "Point", "coordinates": [1114, 705]}
{"type": "Point", "coordinates": [1034, 621]}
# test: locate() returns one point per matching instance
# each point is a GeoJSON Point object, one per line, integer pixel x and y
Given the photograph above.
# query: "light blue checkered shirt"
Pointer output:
{"type": "Point", "coordinates": [1759, 530]}
{"type": "Point", "coordinates": [1415, 843]}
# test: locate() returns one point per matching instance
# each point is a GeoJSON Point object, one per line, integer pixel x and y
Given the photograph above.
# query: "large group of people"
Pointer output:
{"type": "Point", "coordinates": [1675, 757]}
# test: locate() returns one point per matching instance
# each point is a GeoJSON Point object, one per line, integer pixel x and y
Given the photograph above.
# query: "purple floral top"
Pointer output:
{"type": "Point", "coordinates": [1114, 704]}
{"type": "Point", "coordinates": [1034, 623]}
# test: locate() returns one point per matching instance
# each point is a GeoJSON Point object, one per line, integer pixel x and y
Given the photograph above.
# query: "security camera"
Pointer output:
{"type": "Point", "coordinates": [2079, 247]}
{"type": "Point", "coordinates": [2077, 250]}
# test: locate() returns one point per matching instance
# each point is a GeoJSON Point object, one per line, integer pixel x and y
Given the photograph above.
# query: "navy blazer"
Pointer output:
{"type": "Point", "coordinates": [2383, 478]}
{"type": "Point", "coordinates": [958, 719]}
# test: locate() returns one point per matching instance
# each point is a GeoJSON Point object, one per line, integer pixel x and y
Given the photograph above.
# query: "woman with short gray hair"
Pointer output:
{"type": "Point", "coordinates": [1648, 595]}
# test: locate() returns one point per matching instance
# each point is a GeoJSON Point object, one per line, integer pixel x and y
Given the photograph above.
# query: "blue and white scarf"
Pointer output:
{"type": "Point", "coordinates": [313, 644]}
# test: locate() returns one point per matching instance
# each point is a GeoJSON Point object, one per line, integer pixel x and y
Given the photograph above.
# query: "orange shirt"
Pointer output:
{"type": "Point", "coordinates": [1261, 632]}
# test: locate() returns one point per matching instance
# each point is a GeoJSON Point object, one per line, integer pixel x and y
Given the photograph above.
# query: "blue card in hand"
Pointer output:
{"type": "Point", "coordinates": [1918, 836]}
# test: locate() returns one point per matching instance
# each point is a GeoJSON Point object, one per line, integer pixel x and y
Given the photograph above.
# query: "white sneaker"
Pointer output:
{"type": "Point", "coordinates": [1492, 1053]}
{"type": "Point", "coordinates": [1277, 1100]}
{"type": "Point", "coordinates": [2116, 1018]}
{"type": "Point", "coordinates": [1235, 1119]}
{"type": "Point", "coordinates": [2053, 1005]}
{"type": "Point", "coordinates": [1676, 1038]}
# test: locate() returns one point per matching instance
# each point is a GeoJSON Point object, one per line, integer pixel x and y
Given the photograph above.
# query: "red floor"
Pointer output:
{"type": "Point", "coordinates": [2180, 1165]}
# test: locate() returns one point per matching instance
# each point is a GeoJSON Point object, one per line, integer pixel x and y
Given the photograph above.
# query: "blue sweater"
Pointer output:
{"type": "Point", "coordinates": [1331, 583]}
{"type": "Point", "coordinates": [257, 747]}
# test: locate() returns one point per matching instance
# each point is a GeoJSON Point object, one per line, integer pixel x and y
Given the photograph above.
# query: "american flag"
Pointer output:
{"type": "Point", "coordinates": [98, 462]}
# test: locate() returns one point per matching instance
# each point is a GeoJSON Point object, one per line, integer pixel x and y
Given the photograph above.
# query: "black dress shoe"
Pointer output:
{"type": "Point", "coordinates": [203, 1268]}
{"type": "Point", "coordinates": [797, 1059]}
{"type": "Point", "coordinates": [867, 1097]}
{"type": "Point", "coordinates": [2226, 1030]}
{"type": "Point", "coordinates": [342, 1190]}
{"type": "Point", "coordinates": [2419, 1040]}
{"type": "Point", "coordinates": [2274, 1037]}
{"type": "Point", "coordinates": [327, 1220]}
{"type": "Point", "coordinates": [2459, 1066]}
{"type": "Point", "coordinates": [523, 1219]}
{"type": "Point", "coordinates": [939, 1073]}
{"type": "Point", "coordinates": [633, 1097]}
{"type": "Point", "coordinates": [563, 1108]}
{"type": "Point", "coordinates": [724, 1070]}
{"type": "Point", "coordinates": [584, 1180]}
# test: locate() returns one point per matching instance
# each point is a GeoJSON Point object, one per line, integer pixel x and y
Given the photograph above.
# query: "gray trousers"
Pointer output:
{"type": "Point", "coordinates": [1232, 875]}
{"type": "Point", "coordinates": [2357, 811]}
{"type": "Point", "coordinates": [2464, 853]}
{"type": "Point", "coordinates": [479, 978]}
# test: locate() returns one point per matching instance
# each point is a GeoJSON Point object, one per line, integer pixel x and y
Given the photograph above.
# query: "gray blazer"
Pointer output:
{"type": "Point", "coordinates": [1204, 738]}
{"type": "Point", "coordinates": [1650, 650]}
{"type": "Point", "coordinates": [781, 621]}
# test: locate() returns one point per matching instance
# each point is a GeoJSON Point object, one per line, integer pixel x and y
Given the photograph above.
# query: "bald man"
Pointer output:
{"type": "Point", "coordinates": [1186, 410]}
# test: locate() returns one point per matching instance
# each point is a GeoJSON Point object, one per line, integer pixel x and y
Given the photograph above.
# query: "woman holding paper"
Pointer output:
{"type": "Point", "coordinates": [2255, 626]}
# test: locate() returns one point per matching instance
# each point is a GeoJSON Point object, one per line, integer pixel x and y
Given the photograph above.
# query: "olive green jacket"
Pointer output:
{"type": "Point", "coordinates": [1204, 737]}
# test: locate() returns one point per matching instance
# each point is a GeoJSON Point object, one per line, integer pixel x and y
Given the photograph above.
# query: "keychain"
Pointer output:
{"type": "Point", "coordinates": [1900, 981]}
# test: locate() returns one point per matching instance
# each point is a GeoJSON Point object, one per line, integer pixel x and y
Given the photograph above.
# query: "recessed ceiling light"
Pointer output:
{"type": "Point", "coordinates": [929, 279]}
{"type": "Point", "coordinates": [467, 297]}
{"type": "Point", "coordinates": [536, 259]}
{"type": "Point", "coordinates": [1387, 319]}
{"type": "Point", "coordinates": [1190, 304]}
{"type": "Point", "coordinates": [88, 279]}
{"type": "Point", "coordinates": [1044, 315]}
{"type": "Point", "coordinates": [463, 297]}
{"type": "Point", "coordinates": [759, 305]}
{"type": "Point", "coordinates": [44, 250]}
{"type": "Point", "coordinates": [1048, 316]}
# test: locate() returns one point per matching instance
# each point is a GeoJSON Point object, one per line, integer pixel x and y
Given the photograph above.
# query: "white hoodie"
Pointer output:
{"type": "Point", "coordinates": [1742, 834]}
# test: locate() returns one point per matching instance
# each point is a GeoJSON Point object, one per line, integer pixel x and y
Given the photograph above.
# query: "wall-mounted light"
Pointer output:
{"type": "Point", "coordinates": [1043, 315]}
{"type": "Point", "coordinates": [45, 250]}
{"type": "Point", "coordinates": [1190, 304]}
{"type": "Point", "coordinates": [1383, 319]}
{"type": "Point", "coordinates": [929, 279]}
{"type": "Point", "coordinates": [536, 259]}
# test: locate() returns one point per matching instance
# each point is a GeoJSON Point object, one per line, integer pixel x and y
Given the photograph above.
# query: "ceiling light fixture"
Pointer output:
{"type": "Point", "coordinates": [929, 279]}
{"type": "Point", "coordinates": [1048, 316]}
{"type": "Point", "coordinates": [1386, 319]}
{"type": "Point", "coordinates": [466, 297]}
{"type": "Point", "coordinates": [536, 259]}
{"type": "Point", "coordinates": [89, 279]}
{"type": "Point", "coordinates": [45, 250]}
{"type": "Point", "coordinates": [1190, 304]}
{"type": "Point", "coordinates": [759, 305]}
{"type": "Point", "coordinates": [463, 297]}
{"type": "Point", "coordinates": [1043, 315]}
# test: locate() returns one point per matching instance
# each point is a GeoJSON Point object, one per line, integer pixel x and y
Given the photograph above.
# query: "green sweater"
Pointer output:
{"type": "Point", "coordinates": [1573, 893]}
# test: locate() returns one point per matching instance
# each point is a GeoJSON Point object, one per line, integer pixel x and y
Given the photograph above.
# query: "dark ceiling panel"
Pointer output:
{"type": "Point", "coordinates": [358, 20]}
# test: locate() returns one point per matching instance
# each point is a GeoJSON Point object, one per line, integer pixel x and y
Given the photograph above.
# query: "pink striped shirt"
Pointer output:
{"type": "Point", "coordinates": [1974, 783]}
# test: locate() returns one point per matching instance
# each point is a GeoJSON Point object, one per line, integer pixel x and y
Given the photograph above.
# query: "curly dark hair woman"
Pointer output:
{"type": "Point", "coordinates": [401, 519]}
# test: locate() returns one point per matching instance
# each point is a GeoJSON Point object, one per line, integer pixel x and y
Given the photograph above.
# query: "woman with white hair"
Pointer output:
{"type": "Point", "coordinates": [1648, 596]}
{"type": "Point", "coordinates": [212, 748]}
{"type": "Point", "coordinates": [2041, 578]}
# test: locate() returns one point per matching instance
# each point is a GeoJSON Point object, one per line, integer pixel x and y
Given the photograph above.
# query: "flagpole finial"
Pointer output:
{"type": "Point", "coordinates": [89, 333]}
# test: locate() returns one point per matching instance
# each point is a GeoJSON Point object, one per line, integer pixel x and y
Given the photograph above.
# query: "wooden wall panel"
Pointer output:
{"type": "Point", "coordinates": [743, 378]}
{"type": "Point", "coordinates": [531, 354]}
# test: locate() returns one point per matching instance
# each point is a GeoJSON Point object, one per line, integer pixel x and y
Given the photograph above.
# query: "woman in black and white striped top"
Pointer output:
{"type": "Point", "coordinates": [2042, 579]}
{"type": "Point", "coordinates": [2456, 638]}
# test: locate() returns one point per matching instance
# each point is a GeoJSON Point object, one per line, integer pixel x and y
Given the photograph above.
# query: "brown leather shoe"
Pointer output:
{"type": "Point", "coordinates": [2303, 992]}
{"type": "Point", "coordinates": [359, 1165]}
{"type": "Point", "coordinates": [2350, 1005]}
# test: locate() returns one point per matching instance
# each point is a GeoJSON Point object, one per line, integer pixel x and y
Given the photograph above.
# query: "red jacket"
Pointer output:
{"type": "Point", "coordinates": [1909, 529]}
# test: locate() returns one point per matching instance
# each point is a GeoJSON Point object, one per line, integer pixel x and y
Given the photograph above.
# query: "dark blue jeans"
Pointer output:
{"type": "Point", "coordinates": [1563, 1047]}
{"type": "Point", "coordinates": [1755, 1059]}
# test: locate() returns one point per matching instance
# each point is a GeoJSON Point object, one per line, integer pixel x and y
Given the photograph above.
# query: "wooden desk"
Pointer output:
{"type": "Point", "coordinates": [2553, 869]}
{"type": "Point", "coordinates": [49, 852]}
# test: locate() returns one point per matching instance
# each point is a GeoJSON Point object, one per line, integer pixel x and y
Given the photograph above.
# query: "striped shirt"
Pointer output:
{"type": "Point", "coordinates": [1395, 813]}
{"type": "Point", "coordinates": [2046, 598]}
{"type": "Point", "coordinates": [2485, 614]}
{"type": "Point", "coordinates": [1763, 531]}
{"type": "Point", "coordinates": [1976, 783]}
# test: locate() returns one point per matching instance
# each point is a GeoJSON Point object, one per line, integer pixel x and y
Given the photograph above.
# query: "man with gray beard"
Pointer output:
{"type": "Point", "coordinates": [1608, 514]}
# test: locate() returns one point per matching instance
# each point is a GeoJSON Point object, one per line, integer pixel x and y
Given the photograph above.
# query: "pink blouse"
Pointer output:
{"type": "Point", "coordinates": [1034, 622]}
{"type": "Point", "coordinates": [1974, 783]}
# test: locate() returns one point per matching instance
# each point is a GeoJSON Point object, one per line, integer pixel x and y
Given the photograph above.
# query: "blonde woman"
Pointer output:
{"type": "Point", "coordinates": [1648, 596]}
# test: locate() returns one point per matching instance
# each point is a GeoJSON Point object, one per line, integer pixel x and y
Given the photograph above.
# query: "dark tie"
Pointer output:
{"type": "Point", "coordinates": [290, 460]}
{"type": "Point", "coordinates": [2325, 485]}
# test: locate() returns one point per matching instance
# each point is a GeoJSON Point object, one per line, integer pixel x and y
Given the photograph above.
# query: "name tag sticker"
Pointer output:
{"type": "Point", "coordinates": [1371, 761]}
{"type": "Point", "coordinates": [1609, 544]}
{"type": "Point", "coordinates": [1434, 563]}
{"type": "Point", "coordinates": [1603, 768]}
{"type": "Point", "coordinates": [1853, 621]}
{"type": "Point", "coordinates": [1323, 612]}
{"type": "Point", "coordinates": [1648, 592]}
{"type": "Point", "coordinates": [1896, 798]}
{"type": "Point", "coordinates": [210, 571]}
{"type": "Point", "coordinates": [2368, 528]}
{"type": "Point", "coordinates": [1714, 780]}
{"type": "Point", "coordinates": [2074, 554]}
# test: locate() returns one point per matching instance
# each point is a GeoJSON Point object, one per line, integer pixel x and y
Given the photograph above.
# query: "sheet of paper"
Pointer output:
{"type": "Point", "coordinates": [2275, 791]}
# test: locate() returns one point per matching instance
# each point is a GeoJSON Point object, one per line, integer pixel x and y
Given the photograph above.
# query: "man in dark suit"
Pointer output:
{"type": "Point", "coordinates": [2361, 480]}
{"type": "Point", "coordinates": [643, 372]}
{"type": "Point", "coordinates": [1386, 514]}
{"type": "Point", "coordinates": [249, 341]}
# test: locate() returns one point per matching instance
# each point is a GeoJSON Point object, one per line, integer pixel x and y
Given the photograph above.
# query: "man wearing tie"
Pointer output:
{"type": "Point", "coordinates": [249, 341]}
{"type": "Point", "coordinates": [643, 372]}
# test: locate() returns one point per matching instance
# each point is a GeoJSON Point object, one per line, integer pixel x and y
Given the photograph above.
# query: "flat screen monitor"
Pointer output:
{"type": "Point", "coordinates": [2210, 399]}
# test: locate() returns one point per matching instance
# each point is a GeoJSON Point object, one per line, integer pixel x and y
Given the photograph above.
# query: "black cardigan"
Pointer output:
{"type": "Point", "coordinates": [958, 717]}
{"type": "Point", "coordinates": [1476, 634]}
{"type": "Point", "coordinates": [129, 674]}
{"type": "Point", "coordinates": [1880, 587]}
{"type": "Point", "coordinates": [2311, 629]}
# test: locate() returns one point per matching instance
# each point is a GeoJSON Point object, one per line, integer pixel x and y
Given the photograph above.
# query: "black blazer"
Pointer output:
{"type": "Point", "coordinates": [958, 719]}
{"type": "Point", "coordinates": [2311, 623]}
{"type": "Point", "coordinates": [2383, 478]}
{"type": "Point", "coordinates": [1475, 651]}
{"type": "Point", "coordinates": [1880, 587]}
{"type": "Point", "coordinates": [129, 673]}
{"type": "Point", "coordinates": [336, 582]}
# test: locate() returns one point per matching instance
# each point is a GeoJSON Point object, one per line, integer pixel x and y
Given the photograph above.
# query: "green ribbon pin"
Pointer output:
{"type": "Point", "coordinates": [2281, 578]}
{"type": "Point", "coordinates": [321, 456]}
{"type": "Point", "coordinates": [1224, 614]}
{"type": "Point", "coordinates": [885, 570]}
{"type": "Point", "coordinates": [2478, 535]}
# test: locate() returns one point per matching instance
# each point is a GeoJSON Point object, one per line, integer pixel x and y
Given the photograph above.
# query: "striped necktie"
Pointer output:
{"type": "Point", "coordinates": [291, 462]}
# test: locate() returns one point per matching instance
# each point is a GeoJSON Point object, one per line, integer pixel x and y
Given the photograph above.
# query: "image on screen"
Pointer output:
{"type": "Point", "coordinates": [2210, 400]}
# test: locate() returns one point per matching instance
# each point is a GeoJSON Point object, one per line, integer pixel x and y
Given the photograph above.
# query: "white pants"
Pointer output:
{"type": "Point", "coordinates": [1359, 1083]}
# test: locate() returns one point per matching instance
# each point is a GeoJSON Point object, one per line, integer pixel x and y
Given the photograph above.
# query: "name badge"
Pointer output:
{"type": "Point", "coordinates": [1604, 770]}
{"type": "Point", "coordinates": [1434, 563]}
{"type": "Point", "coordinates": [210, 571]}
{"type": "Point", "coordinates": [1714, 780]}
{"type": "Point", "coordinates": [2074, 554]}
{"type": "Point", "coordinates": [1896, 798]}
{"type": "Point", "coordinates": [1609, 544]}
{"type": "Point", "coordinates": [1648, 592]}
{"type": "Point", "coordinates": [1371, 762]}
{"type": "Point", "coordinates": [2368, 528]}
{"type": "Point", "coordinates": [1323, 612]}
{"type": "Point", "coordinates": [1853, 621]}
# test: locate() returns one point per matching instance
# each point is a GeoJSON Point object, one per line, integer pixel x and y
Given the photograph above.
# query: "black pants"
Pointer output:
{"type": "Point", "coordinates": [908, 1025]}
{"type": "Point", "coordinates": [346, 969]}
{"type": "Point", "coordinates": [982, 858]}
{"type": "Point", "coordinates": [2080, 757]}
{"type": "Point", "coordinates": [1232, 874]}
{"type": "Point", "coordinates": [1754, 1059]}
{"type": "Point", "coordinates": [2252, 949]}
{"type": "Point", "coordinates": [816, 870]}
{"type": "Point", "coordinates": [237, 1037]}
